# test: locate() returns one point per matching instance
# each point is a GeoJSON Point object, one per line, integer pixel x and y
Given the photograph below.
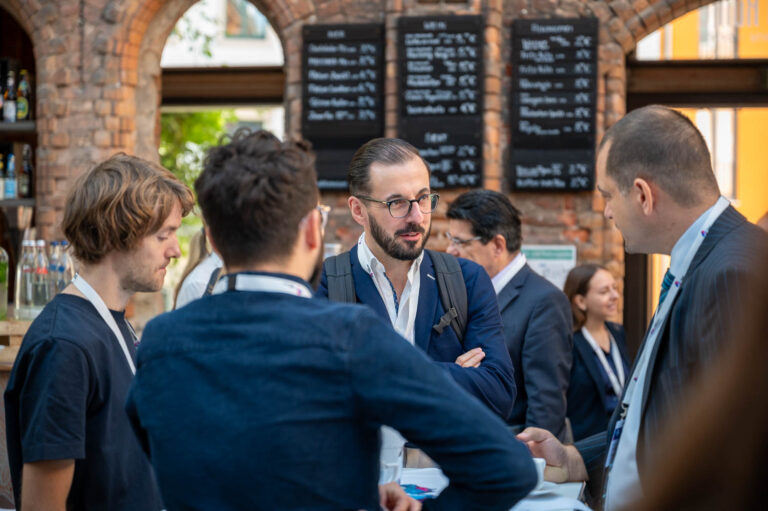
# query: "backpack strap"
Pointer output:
{"type": "Point", "coordinates": [338, 273]}
{"type": "Point", "coordinates": [453, 293]}
{"type": "Point", "coordinates": [212, 281]}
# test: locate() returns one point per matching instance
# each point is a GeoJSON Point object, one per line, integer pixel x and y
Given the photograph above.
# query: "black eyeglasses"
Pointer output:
{"type": "Point", "coordinates": [459, 241]}
{"type": "Point", "coordinates": [401, 208]}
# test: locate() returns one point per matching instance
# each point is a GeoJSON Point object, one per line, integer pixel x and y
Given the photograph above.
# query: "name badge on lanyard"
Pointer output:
{"type": "Point", "coordinates": [92, 296]}
{"type": "Point", "coordinates": [615, 377]}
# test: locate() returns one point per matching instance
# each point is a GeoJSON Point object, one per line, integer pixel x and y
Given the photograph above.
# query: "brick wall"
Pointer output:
{"type": "Point", "coordinates": [98, 79]}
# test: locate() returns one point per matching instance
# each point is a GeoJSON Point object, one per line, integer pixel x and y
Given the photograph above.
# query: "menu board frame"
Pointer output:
{"type": "Point", "coordinates": [335, 139]}
{"type": "Point", "coordinates": [450, 137]}
{"type": "Point", "coordinates": [553, 104]}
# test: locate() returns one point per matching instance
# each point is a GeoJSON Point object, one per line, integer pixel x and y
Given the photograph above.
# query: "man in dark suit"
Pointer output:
{"type": "Point", "coordinates": [484, 227]}
{"type": "Point", "coordinates": [393, 274]}
{"type": "Point", "coordinates": [654, 172]}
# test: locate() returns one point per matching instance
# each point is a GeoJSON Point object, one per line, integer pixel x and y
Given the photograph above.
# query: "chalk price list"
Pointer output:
{"type": "Point", "coordinates": [441, 100]}
{"type": "Point", "coordinates": [553, 104]}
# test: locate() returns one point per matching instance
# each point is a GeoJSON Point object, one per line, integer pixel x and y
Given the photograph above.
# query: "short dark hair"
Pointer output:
{"type": "Point", "coordinates": [490, 213]}
{"type": "Point", "coordinates": [117, 203]}
{"type": "Point", "coordinates": [253, 193]}
{"type": "Point", "coordinates": [387, 151]}
{"type": "Point", "coordinates": [661, 145]}
{"type": "Point", "coordinates": [577, 283]}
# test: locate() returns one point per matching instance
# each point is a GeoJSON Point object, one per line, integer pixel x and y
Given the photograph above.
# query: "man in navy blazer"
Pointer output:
{"type": "Point", "coordinates": [654, 172]}
{"type": "Point", "coordinates": [484, 227]}
{"type": "Point", "coordinates": [391, 198]}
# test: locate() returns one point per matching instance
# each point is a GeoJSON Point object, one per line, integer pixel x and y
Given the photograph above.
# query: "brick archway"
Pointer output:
{"type": "Point", "coordinates": [22, 13]}
{"type": "Point", "coordinates": [146, 32]}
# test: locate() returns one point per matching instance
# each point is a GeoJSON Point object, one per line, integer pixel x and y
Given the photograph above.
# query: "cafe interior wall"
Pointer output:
{"type": "Point", "coordinates": [98, 92]}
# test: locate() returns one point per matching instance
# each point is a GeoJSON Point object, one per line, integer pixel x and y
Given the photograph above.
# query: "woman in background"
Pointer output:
{"type": "Point", "coordinates": [201, 272]}
{"type": "Point", "coordinates": [600, 365]}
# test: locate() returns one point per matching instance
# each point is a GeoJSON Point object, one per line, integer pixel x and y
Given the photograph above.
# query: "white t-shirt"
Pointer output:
{"type": "Point", "coordinates": [194, 285]}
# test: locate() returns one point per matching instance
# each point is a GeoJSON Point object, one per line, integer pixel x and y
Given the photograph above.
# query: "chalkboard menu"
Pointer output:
{"type": "Point", "coordinates": [554, 68]}
{"type": "Point", "coordinates": [342, 94]}
{"type": "Point", "coordinates": [440, 71]}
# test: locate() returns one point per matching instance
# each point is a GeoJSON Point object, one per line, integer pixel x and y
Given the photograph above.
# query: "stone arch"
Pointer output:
{"type": "Point", "coordinates": [23, 13]}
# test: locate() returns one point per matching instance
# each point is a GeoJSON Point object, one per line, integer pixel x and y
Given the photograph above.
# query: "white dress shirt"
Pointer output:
{"type": "Point", "coordinates": [402, 311]}
{"type": "Point", "coordinates": [402, 315]}
{"type": "Point", "coordinates": [501, 279]}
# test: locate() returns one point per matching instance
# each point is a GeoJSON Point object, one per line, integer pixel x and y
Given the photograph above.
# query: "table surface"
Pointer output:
{"type": "Point", "coordinates": [549, 497]}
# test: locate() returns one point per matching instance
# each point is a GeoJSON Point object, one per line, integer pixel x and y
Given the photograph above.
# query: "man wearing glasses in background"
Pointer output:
{"type": "Point", "coordinates": [485, 227]}
{"type": "Point", "coordinates": [396, 277]}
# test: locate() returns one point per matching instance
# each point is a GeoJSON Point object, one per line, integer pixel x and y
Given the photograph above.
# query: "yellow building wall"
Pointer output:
{"type": "Point", "coordinates": [752, 162]}
{"type": "Point", "coordinates": [753, 38]}
{"type": "Point", "coordinates": [685, 37]}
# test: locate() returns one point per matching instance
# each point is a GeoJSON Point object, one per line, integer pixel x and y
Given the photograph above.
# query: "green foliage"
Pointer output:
{"type": "Point", "coordinates": [187, 136]}
{"type": "Point", "coordinates": [184, 140]}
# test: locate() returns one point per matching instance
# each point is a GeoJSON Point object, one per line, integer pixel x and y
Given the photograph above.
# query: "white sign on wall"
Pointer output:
{"type": "Point", "coordinates": [553, 262]}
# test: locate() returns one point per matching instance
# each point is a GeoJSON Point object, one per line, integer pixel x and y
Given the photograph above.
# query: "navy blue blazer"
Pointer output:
{"type": "Point", "coordinates": [704, 317]}
{"type": "Point", "coordinates": [493, 382]}
{"type": "Point", "coordinates": [537, 328]}
{"type": "Point", "coordinates": [587, 392]}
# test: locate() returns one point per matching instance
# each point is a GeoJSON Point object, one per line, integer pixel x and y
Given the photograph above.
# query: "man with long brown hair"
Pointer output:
{"type": "Point", "coordinates": [70, 444]}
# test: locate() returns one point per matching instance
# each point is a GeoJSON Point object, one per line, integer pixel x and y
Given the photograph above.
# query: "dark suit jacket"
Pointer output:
{"type": "Point", "coordinates": [705, 316]}
{"type": "Point", "coordinates": [537, 329]}
{"type": "Point", "coordinates": [587, 392]}
{"type": "Point", "coordinates": [493, 382]}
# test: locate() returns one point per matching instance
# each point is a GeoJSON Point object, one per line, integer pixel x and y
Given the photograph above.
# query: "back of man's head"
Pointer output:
{"type": "Point", "coordinates": [117, 203]}
{"type": "Point", "coordinates": [384, 151]}
{"type": "Point", "coordinates": [662, 146]}
{"type": "Point", "coordinates": [253, 192]}
{"type": "Point", "coordinates": [490, 213]}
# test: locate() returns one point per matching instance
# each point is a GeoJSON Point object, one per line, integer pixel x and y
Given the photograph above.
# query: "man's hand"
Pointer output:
{"type": "Point", "coordinates": [564, 462]}
{"type": "Point", "coordinates": [393, 498]}
{"type": "Point", "coordinates": [472, 358]}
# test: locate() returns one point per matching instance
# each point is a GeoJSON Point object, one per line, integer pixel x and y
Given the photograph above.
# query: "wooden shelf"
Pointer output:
{"type": "Point", "coordinates": [18, 128]}
{"type": "Point", "coordinates": [15, 203]}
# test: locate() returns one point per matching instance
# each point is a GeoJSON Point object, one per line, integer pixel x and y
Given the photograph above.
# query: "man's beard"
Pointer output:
{"type": "Point", "coordinates": [411, 251]}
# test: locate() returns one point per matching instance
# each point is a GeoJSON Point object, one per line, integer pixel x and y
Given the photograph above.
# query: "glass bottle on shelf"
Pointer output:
{"type": "Point", "coordinates": [25, 173]}
{"type": "Point", "coordinates": [10, 178]}
{"type": "Point", "coordinates": [25, 270]}
{"type": "Point", "coordinates": [53, 267]}
{"type": "Point", "coordinates": [9, 99]}
{"type": "Point", "coordinates": [23, 97]}
{"type": "Point", "coordinates": [2, 176]}
{"type": "Point", "coordinates": [41, 293]}
{"type": "Point", "coordinates": [3, 284]}
{"type": "Point", "coordinates": [66, 270]}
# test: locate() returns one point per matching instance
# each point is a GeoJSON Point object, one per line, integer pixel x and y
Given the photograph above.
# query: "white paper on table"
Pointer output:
{"type": "Point", "coordinates": [550, 503]}
{"type": "Point", "coordinates": [434, 479]}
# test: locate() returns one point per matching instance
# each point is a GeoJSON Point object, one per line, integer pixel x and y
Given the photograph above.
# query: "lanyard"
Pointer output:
{"type": "Point", "coordinates": [265, 283]}
{"type": "Point", "coordinates": [663, 311]}
{"type": "Point", "coordinates": [93, 297]}
{"type": "Point", "coordinates": [617, 380]}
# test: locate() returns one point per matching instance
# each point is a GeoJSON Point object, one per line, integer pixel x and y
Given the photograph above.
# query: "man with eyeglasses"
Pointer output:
{"type": "Point", "coordinates": [484, 227]}
{"type": "Point", "coordinates": [389, 184]}
{"type": "Point", "coordinates": [262, 397]}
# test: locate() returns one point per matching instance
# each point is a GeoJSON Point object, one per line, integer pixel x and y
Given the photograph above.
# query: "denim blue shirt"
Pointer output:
{"type": "Point", "coordinates": [260, 400]}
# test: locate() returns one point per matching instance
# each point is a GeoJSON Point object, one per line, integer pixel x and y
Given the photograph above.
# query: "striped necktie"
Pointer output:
{"type": "Point", "coordinates": [665, 285]}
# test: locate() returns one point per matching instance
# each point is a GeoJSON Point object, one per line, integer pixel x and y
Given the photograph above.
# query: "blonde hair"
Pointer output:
{"type": "Point", "coordinates": [198, 250]}
{"type": "Point", "coordinates": [118, 202]}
